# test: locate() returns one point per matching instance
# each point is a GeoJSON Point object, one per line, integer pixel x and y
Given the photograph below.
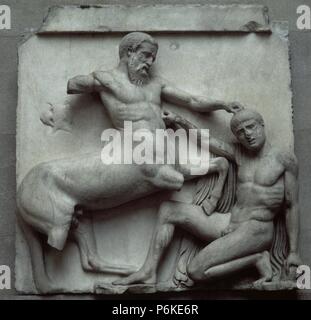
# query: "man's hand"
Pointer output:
{"type": "Point", "coordinates": [234, 107]}
{"type": "Point", "coordinates": [293, 260]}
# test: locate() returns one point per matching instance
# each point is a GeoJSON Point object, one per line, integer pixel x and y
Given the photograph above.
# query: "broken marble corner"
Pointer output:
{"type": "Point", "coordinates": [119, 236]}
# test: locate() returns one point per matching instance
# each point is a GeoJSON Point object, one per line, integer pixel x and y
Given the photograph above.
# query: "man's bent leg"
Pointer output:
{"type": "Point", "coordinates": [189, 217]}
{"type": "Point", "coordinates": [250, 238]}
{"type": "Point", "coordinates": [260, 260]}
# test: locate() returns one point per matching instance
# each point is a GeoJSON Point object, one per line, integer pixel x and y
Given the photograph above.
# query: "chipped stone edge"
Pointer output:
{"type": "Point", "coordinates": [251, 26]}
{"type": "Point", "coordinates": [281, 29]}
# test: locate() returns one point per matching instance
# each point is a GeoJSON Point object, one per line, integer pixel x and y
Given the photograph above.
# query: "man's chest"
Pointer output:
{"type": "Point", "coordinates": [128, 93]}
{"type": "Point", "coordinates": [265, 171]}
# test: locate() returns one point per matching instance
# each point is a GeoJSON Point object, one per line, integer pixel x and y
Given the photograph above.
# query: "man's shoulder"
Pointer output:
{"type": "Point", "coordinates": [287, 158]}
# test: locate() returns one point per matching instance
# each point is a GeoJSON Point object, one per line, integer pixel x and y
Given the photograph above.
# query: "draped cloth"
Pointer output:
{"type": "Point", "coordinates": [189, 247]}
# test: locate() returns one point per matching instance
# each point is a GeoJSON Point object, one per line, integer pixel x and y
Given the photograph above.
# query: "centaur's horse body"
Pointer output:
{"type": "Point", "coordinates": [52, 193]}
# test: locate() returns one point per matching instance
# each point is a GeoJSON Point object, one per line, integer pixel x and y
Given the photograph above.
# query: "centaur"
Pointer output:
{"type": "Point", "coordinates": [55, 193]}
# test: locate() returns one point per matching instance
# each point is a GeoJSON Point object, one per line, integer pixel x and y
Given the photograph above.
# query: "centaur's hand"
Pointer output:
{"type": "Point", "coordinates": [234, 107]}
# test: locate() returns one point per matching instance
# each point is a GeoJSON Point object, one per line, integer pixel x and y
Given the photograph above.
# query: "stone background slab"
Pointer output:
{"type": "Point", "coordinates": [221, 66]}
{"type": "Point", "coordinates": [25, 18]}
{"type": "Point", "coordinates": [176, 18]}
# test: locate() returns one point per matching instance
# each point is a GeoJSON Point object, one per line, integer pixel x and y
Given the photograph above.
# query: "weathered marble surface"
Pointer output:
{"type": "Point", "coordinates": [176, 18]}
{"type": "Point", "coordinates": [250, 68]}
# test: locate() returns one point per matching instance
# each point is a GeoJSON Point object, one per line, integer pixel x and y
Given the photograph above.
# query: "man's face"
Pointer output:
{"type": "Point", "coordinates": [251, 134]}
{"type": "Point", "coordinates": [140, 61]}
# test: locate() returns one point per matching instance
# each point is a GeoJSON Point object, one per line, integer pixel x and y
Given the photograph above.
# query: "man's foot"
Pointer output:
{"type": "Point", "coordinates": [264, 268]}
{"type": "Point", "coordinates": [140, 277]}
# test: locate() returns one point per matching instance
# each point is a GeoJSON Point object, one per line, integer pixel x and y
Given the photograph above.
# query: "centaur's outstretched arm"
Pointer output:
{"type": "Point", "coordinates": [84, 84]}
{"type": "Point", "coordinates": [196, 103]}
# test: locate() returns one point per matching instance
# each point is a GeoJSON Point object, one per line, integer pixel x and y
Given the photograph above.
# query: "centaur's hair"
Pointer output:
{"type": "Point", "coordinates": [133, 40]}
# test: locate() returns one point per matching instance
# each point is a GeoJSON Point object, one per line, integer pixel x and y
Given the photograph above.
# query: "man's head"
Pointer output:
{"type": "Point", "coordinates": [139, 51]}
{"type": "Point", "coordinates": [248, 127]}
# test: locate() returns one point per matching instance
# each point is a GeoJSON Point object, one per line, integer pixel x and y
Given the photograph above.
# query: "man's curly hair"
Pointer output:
{"type": "Point", "coordinates": [243, 115]}
{"type": "Point", "coordinates": [133, 40]}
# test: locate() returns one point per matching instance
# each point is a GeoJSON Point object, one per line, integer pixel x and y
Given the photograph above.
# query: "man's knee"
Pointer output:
{"type": "Point", "coordinates": [198, 268]}
{"type": "Point", "coordinates": [195, 271]}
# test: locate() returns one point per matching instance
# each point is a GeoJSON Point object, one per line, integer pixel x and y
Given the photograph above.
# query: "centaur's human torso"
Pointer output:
{"type": "Point", "coordinates": [128, 102]}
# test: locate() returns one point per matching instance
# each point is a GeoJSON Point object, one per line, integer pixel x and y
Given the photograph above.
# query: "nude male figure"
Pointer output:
{"type": "Point", "coordinates": [267, 179]}
{"type": "Point", "coordinates": [54, 195]}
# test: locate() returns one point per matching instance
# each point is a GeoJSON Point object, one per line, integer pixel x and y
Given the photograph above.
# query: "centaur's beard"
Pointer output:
{"type": "Point", "coordinates": [138, 74]}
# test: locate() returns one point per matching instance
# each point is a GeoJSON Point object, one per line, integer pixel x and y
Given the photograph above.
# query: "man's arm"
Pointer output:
{"type": "Point", "coordinates": [218, 147]}
{"type": "Point", "coordinates": [83, 84]}
{"type": "Point", "coordinates": [196, 103]}
{"type": "Point", "coordinates": [222, 149]}
{"type": "Point", "coordinates": [291, 207]}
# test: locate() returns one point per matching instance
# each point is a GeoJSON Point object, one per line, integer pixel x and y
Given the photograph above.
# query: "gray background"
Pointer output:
{"type": "Point", "coordinates": [27, 17]}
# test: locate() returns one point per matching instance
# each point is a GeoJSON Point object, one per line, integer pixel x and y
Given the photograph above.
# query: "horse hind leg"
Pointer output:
{"type": "Point", "coordinates": [42, 281]}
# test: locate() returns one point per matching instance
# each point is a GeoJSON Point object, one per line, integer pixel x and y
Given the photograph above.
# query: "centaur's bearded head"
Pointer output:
{"type": "Point", "coordinates": [138, 50]}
